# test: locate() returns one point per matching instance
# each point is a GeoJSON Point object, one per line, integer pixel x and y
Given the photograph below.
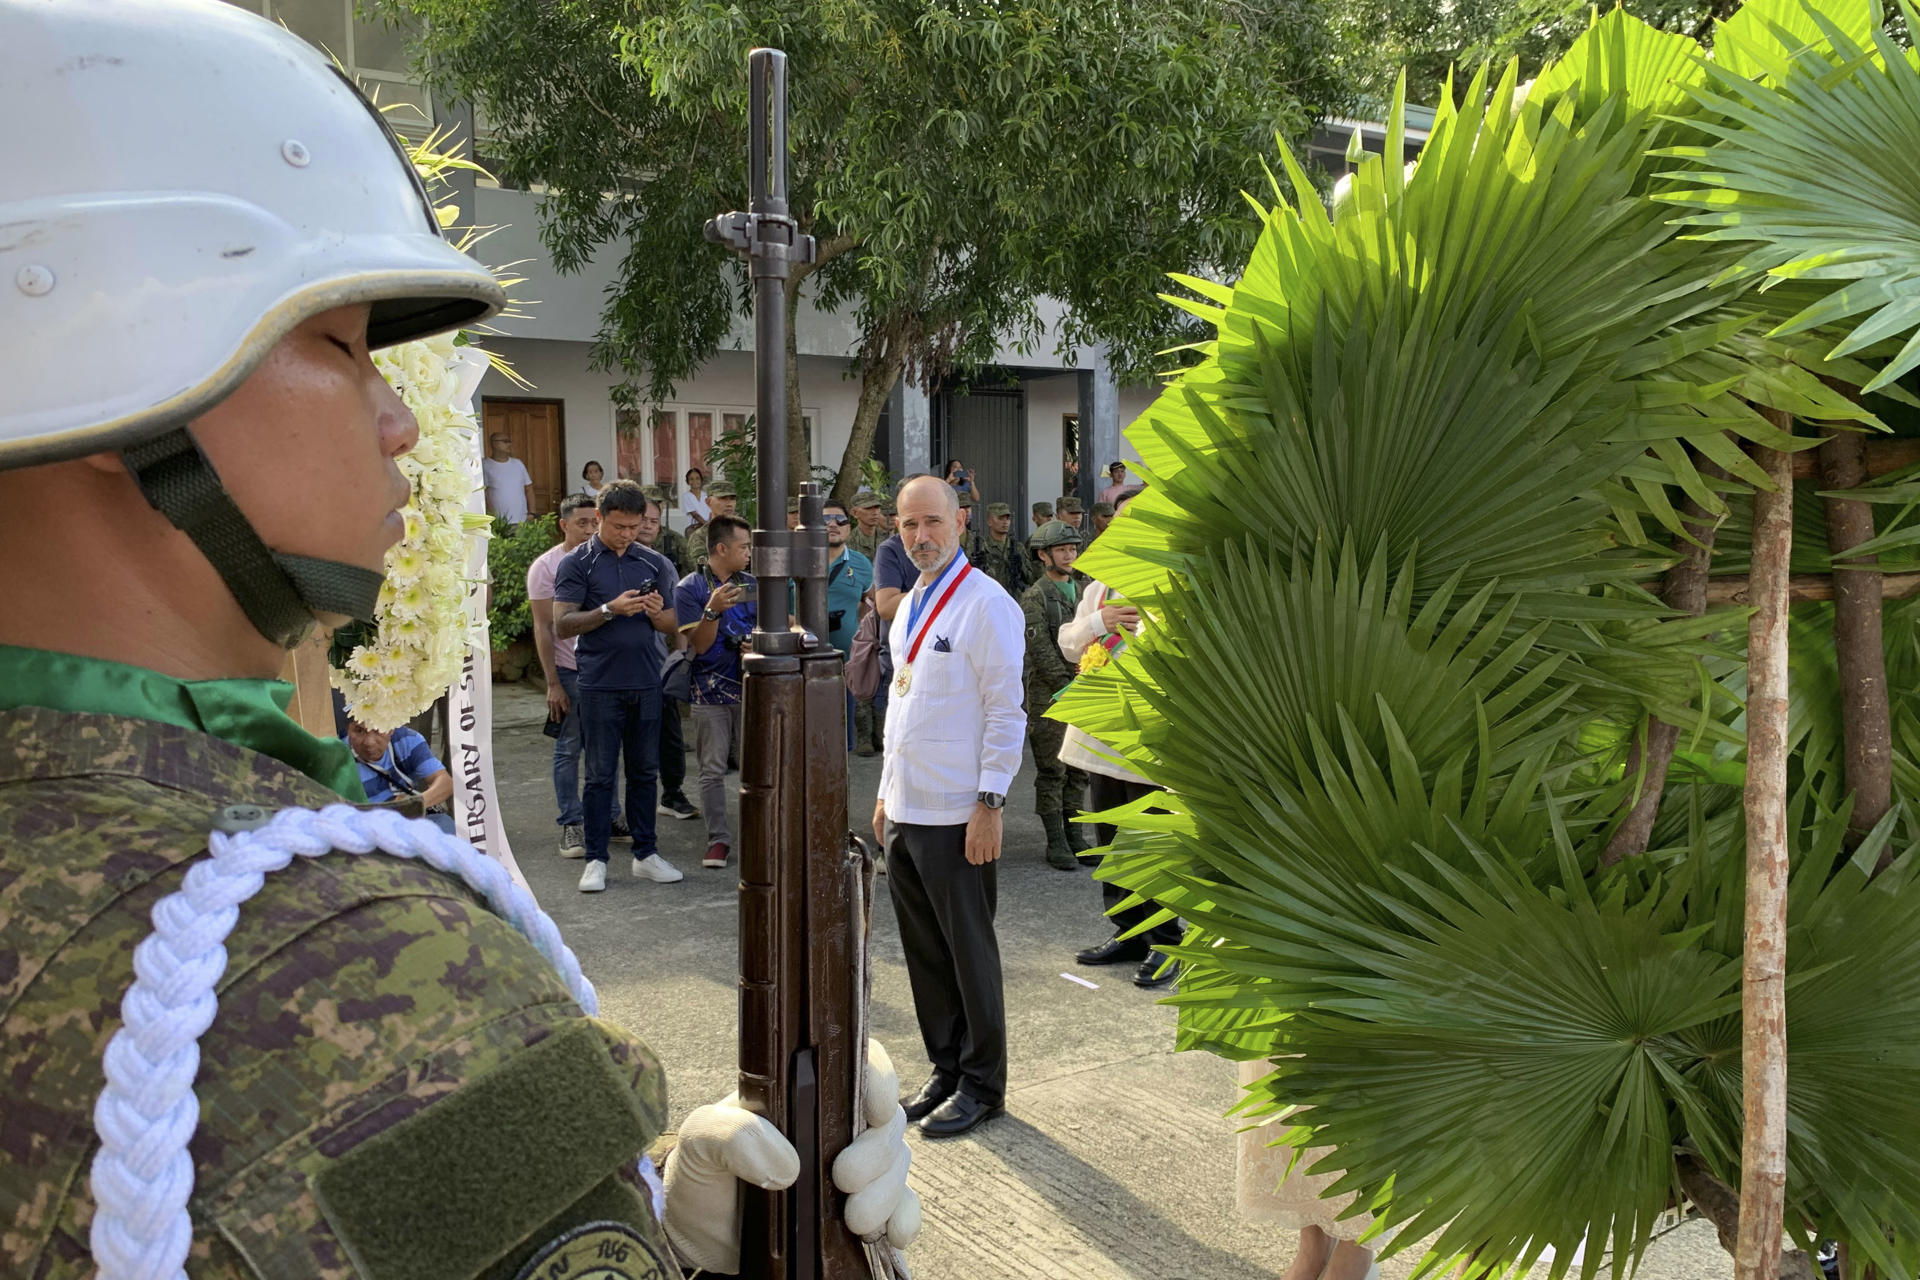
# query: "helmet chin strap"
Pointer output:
{"type": "Point", "coordinates": [280, 593]}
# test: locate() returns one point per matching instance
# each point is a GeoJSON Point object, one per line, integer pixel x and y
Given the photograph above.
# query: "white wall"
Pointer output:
{"type": "Point", "coordinates": [559, 371]}
{"type": "Point", "coordinates": [567, 307]}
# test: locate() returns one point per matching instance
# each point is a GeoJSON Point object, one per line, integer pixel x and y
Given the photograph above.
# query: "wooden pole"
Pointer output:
{"type": "Point", "coordinates": [1737, 589]}
{"type": "Point", "coordinates": [1763, 1145]}
{"type": "Point", "coordinates": [306, 671]}
{"type": "Point", "coordinates": [1865, 721]}
{"type": "Point", "coordinates": [1685, 591]}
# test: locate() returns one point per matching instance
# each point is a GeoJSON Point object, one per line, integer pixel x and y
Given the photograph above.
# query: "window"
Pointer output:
{"type": "Point", "coordinates": [376, 54]}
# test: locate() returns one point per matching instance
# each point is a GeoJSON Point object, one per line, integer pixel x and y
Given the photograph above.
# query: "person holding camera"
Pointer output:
{"type": "Point", "coordinates": [609, 593]}
{"type": "Point", "coordinates": [962, 478]}
{"type": "Point", "coordinates": [716, 606]}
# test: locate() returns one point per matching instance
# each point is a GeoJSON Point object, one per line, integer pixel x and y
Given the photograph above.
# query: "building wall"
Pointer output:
{"type": "Point", "coordinates": [559, 371]}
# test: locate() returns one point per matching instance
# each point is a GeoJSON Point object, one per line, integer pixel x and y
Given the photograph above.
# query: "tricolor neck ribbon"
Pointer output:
{"type": "Point", "coordinates": [916, 630]}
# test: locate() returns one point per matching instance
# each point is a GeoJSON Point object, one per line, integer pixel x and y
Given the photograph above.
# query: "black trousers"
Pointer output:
{"type": "Point", "coordinates": [1103, 793]}
{"type": "Point", "coordinates": [673, 751]}
{"type": "Point", "coordinates": [945, 907]}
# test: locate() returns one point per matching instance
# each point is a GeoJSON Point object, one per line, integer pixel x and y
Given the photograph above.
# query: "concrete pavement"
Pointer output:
{"type": "Point", "coordinates": [1113, 1162]}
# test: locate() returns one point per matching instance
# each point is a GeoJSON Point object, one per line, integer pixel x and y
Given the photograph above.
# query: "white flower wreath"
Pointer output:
{"type": "Point", "coordinates": [420, 631]}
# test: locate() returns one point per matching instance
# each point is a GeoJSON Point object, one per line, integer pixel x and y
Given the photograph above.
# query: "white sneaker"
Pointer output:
{"type": "Point", "coordinates": [657, 869]}
{"type": "Point", "coordinates": [594, 878]}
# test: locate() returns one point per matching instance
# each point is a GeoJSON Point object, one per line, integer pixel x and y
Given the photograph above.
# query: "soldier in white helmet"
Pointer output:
{"type": "Point", "coordinates": [316, 1063]}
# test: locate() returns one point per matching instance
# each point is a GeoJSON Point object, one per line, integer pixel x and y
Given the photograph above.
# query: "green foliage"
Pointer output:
{"type": "Point", "coordinates": [1398, 533]}
{"type": "Point", "coordinates": [954, 162]}
{"type": "Point", "coordinates": [736, 455]}
{"type": "Point", "coordinates": [875, 477]}
{"type": "Point", "coordinates": [510, 550]}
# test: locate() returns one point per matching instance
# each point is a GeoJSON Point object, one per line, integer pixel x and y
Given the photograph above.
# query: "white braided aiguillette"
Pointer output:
{"type": "Point", "coordinates": [142, 1175]}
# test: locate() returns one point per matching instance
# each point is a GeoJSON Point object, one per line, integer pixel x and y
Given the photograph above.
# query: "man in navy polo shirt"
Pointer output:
{"type": "Point", "coordinates": [611, 592]}
{"type": "Point", "coordinates": [717, 611]}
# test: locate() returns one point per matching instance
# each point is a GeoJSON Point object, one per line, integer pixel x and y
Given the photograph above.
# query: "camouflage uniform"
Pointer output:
{"type": "Point", "coordinates": [1058, 791]}
{"type": "Point", "coordinates": [359, 992]}
{"type": "Point", "coordinates": [867, 544]}
{"type": "Point", "coordinates": [668, 542]}
{"type": "Point", "coordinates": [1004, 560]}
{"type": "Point", "coordinates": [697, 540]}
{"type": "Point", "coordinates": [673, 545]}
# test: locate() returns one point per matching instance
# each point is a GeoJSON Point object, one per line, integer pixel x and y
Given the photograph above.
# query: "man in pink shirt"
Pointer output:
{"type": "Point", "coordinates": [1117, 473]}
{"type": "Point", "coordinates": [579, 519]}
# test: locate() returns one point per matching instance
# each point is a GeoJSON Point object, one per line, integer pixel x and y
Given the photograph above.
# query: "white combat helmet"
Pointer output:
{"type": "Point", "coordinates": [183, 184]}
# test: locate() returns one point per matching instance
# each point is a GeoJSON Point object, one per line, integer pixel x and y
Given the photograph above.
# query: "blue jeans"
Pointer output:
{"type": "Point", "coordinates": [617, 724]}
{"type": "Point", "coordinates": [566, 757]}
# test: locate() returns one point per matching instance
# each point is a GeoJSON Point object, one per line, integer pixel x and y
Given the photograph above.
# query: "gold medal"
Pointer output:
{"type": "Point", "coordinates": [903, 681]}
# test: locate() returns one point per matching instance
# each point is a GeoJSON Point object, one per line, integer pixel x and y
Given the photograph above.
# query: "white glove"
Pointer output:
{"type": "Point", "coordinates": [872, 1171]}
{"type": "Point", "coordinates": [723, 1145]}
{"type": "Point", "coordinates": [720, 1147]}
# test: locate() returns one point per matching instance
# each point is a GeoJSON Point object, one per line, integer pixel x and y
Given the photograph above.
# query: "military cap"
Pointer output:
{"type": "Point", "coordinates": [863, 500]}
{"type": "Point", "coordinates": [721, 489]}
{"type": "Point", "coordinates": [966, 498]}
{"type": "Point", "coordinates": [655, 492]}
{"type": "Point", "coordinates": [886, 506]}
{"type": "Point", "coordinates": [1071, 504]}
{"type": "Point", "coordinates": [1054, 533]}
{"type": "Point", "coordinates": [1103, 508]}
{"type": "Point", "coordinates": [1043, 511]}
{"type": "Point", "coordinates": [793, 506]}
{"type": "Point", "coordinates": [999, 509]}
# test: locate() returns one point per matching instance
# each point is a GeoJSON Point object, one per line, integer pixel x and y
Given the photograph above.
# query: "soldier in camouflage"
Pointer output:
{"type": "Point", "coordinates": [393, 1081]}
{"type": "Point", "coordinates": [1049, 603]}
{"type": "Point", "coordinates": [721, 497]}
{"type": "Point", "coordinates": [1003, 557]}
{"type": "Point", "coordinates": [668, 542]}
{"type": "Point", "coordinates": [971, 543]}
{"type": "Point", "coordinates": [869, 524]}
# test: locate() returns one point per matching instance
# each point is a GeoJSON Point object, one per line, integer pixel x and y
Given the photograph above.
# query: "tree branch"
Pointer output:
{"type": "Point", "coordinates": [1686, 591]}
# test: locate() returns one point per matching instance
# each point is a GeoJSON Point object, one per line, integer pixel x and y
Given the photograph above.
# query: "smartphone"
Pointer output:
{"type": "Point", "coordinates": [749, 591]}
{"type": "Point", "coordinates": [553, 727]}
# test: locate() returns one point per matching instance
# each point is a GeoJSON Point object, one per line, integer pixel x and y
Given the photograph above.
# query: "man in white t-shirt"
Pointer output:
{"type": "Point", "coordinates": [509, 487]}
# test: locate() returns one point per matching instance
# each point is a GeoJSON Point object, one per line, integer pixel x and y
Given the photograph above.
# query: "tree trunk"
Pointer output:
{"type": "Point", "coordinates": [1719, 1205]}
{"type": "Point", "coordinates": [1685, 590]}
{"type": "Point", "coordinates": [1866, 723]}
{"type": "Point", "coordinates": [883, 354]}
{"type": "Point", "coordinates": [1763, 1063]}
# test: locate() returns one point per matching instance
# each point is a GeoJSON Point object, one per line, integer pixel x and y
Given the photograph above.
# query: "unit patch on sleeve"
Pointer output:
{"type": "Point", "coordinates": [597, 1251]}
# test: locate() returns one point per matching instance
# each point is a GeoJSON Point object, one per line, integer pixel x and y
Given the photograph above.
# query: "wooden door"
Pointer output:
{"type": "Point", "coordinates": [699, 441]}
{"type": "Point", "coordinates": [538, 431]}
{"type": "Point", "coordinates": [666, 432]}
{"type": "Point", "coordinates": [626, 428]}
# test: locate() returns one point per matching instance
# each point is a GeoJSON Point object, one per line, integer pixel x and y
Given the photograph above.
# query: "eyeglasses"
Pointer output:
{"type": "Point", "coordinates": [836, 520]}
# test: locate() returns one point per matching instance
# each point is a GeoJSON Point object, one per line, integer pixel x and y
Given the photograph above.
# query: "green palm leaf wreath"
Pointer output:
{"type": "Point", "coordinates": [1402, 534]}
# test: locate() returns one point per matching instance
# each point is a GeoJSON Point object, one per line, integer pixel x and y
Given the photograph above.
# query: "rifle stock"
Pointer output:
{"type": "Point", "coordinates": [805, 882]}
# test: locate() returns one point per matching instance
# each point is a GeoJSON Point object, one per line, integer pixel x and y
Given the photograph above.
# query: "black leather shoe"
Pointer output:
{"type": "Point", "coordinates": [1114, 951]}
{"type": "Point", "coordinates": [957, 1115]}
{"type": "Point", "coordinates": [1149, 976]}
{"type": "Point", "coordinates": [931, 1095]}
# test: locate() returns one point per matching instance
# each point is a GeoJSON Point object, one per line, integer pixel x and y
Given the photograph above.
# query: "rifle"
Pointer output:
{"type": "Point", "coordinates": [806, 882]}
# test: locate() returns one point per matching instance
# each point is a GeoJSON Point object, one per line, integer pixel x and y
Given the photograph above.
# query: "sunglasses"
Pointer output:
{"type": "Point", "coordinates": [836, 520]}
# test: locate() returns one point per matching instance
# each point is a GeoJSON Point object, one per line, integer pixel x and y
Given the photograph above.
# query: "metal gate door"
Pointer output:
{"type": "Point", "coordinates": [987, 430]}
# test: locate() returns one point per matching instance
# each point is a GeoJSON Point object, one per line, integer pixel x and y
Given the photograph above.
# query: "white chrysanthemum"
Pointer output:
{"type": "Point", "coordinates": [422, 627]}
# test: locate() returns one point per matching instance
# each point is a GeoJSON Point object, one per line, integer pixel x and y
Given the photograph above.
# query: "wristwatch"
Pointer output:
{"type": "Point", "coordinates": [606, 611]}
{"type": "Point", "coordinates": [992, 799]}
{"type": "Point", "coordinates": [710, 615]}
